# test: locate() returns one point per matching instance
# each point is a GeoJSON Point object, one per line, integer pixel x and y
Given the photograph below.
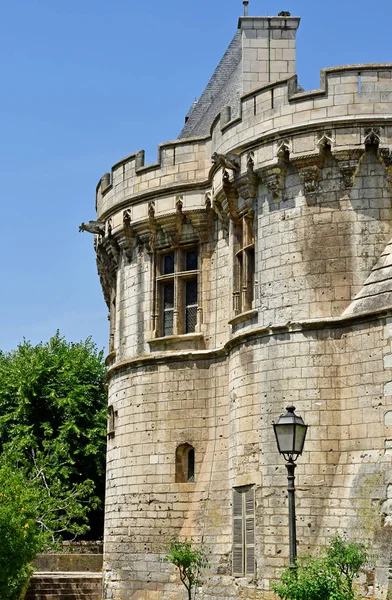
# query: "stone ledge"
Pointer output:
{"type": "Point", "coordinates": [259, 332]}
{"type": "Point", "coordinates": [245, 316]}
{"type": "Point", "coordinates": [186, 341]}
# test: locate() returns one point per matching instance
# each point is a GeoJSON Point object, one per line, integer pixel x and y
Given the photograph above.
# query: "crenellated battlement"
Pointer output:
{"type": "Point", "coordinates": [347, 95]}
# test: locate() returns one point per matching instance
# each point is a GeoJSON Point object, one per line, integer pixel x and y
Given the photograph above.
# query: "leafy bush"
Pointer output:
{"type": "Point", "coordinates": [189, 560]}
{"type": "Point", "coordinates": [327, 577]}
{"type": "Point", "coordinates": [53, 428]}
{"type": "Point", "coordinates": [20, 536]}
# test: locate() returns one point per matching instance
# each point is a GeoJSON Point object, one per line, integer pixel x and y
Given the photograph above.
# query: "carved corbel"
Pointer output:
{"type": "Point", "coordinates": [273, 178]}
{"type": "Point", "coordinates": [203, 221]}
{"type": "Point", "coordinates": [230, 191]}
{"type": "Point", "coordinates": [222, 215]}
{"type": "Point", "coordinates": [309, 169]}
{"type": "Point", "coordinates": [348, 163]}
{"type": "Point", "coordinates": [127, 238]}
{"type": "Point", "coordinates": [247, 186]}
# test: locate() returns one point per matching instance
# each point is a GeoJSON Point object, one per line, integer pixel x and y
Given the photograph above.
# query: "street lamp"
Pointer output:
{"type": "Point", "coordinates": [290, 433]}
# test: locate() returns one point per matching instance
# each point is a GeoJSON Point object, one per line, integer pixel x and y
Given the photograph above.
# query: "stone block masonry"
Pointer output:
{"type": "Point", "coordinates": [238, 285]}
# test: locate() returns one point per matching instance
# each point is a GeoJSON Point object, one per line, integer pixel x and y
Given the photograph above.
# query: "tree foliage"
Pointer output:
{"type": "Point", "coordinates": [327, 577]}
{"type": "Point", "coordinates": [189, 560]}
{"type": "Point", "coordinates": [53, 430]}
{"type": "Point", "coordinates": [21, 537]}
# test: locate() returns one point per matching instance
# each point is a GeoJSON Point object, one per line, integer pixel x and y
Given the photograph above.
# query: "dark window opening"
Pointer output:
{"type": "Point", "coordinates": [185, 464]}
{"type": "Point", "coordinates": [191, 260]}
{"type": "Point", "coordinates": [168, 264]}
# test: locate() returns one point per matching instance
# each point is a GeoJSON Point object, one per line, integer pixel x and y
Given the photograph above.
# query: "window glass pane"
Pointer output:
{"type": "Point", "coordinates": [191, 260]}
{"type": "Point", "coordinates": [168, 263]}
{"type": "Point", "coordinates": [190, 305]}
{"type": "Point", "coordinates": [191, 465]}
{"type": "Point", "coordinates": [168, 323]}
{"type": "Point", "coordinates": [191, 292]}
{"type": "Point", "coordinates": [168, 309]}
{"type": "Point", "coordinates": [168, 296]}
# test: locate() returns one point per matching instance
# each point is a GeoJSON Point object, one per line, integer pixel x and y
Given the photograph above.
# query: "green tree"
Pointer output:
{"type": "Point", "coordinates": [189, 560]}
{"type": "Point", "coordinates": [21, 537]}
{"type": "Point", "coordinates": [53, 430]}
{"type": "Point", "coordinates": [327, 577]}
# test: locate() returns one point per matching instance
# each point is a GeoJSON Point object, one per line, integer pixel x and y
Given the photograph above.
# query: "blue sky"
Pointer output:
{"type": "Point", "coordinates": [86, 82]}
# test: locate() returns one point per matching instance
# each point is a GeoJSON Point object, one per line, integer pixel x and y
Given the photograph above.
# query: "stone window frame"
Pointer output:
{"type": "Point", "coordinates": [244, 538]}
{"type": "Point", "coordinates": [185, 464]}
{"type": "Point", "coordinates": [111, 423]}
{"type": "Point", "coordinates": [178, 279]}
{"type": "Point", "coordinates": [244, 264]}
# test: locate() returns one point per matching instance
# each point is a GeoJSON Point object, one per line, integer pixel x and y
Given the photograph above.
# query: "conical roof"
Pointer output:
{"type": "Point", "coordinates": [223, 89]}
{"type": "Point", "coordinates": [376, 293]}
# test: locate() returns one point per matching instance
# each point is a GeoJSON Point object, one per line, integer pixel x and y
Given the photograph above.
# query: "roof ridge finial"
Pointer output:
{"type": "Point", "coordinates": [245, 3]}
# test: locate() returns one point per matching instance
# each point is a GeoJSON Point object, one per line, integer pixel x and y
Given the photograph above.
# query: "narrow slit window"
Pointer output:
{"type": "Point", "coordinates": [185, 464]}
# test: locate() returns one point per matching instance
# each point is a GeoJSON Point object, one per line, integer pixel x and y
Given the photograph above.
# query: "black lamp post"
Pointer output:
{"type": "Point", "coordinates": [290, 432]}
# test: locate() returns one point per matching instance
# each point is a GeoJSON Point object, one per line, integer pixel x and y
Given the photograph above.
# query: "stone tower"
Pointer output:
{"type": "Point", "coordinates": [237, 285]}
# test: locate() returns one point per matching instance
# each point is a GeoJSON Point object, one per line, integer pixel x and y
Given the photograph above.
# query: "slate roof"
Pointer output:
{"type": "Point", "coordinates": [223, 89]}
{"type": "Point", "coordinates": [376, 293]}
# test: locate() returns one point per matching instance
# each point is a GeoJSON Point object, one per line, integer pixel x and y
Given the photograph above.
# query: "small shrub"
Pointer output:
{"type": "Point", "coordinates": [189, 560]}
{"type": "Point", "coordinates": [327, 577]}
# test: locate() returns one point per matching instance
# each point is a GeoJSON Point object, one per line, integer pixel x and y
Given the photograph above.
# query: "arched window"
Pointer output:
{"type": "Point", "coordinates": [185, 464]}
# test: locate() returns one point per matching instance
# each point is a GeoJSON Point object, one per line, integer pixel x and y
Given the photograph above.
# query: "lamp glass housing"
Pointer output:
{"type": "Point", "coordinates": [290, 431]}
